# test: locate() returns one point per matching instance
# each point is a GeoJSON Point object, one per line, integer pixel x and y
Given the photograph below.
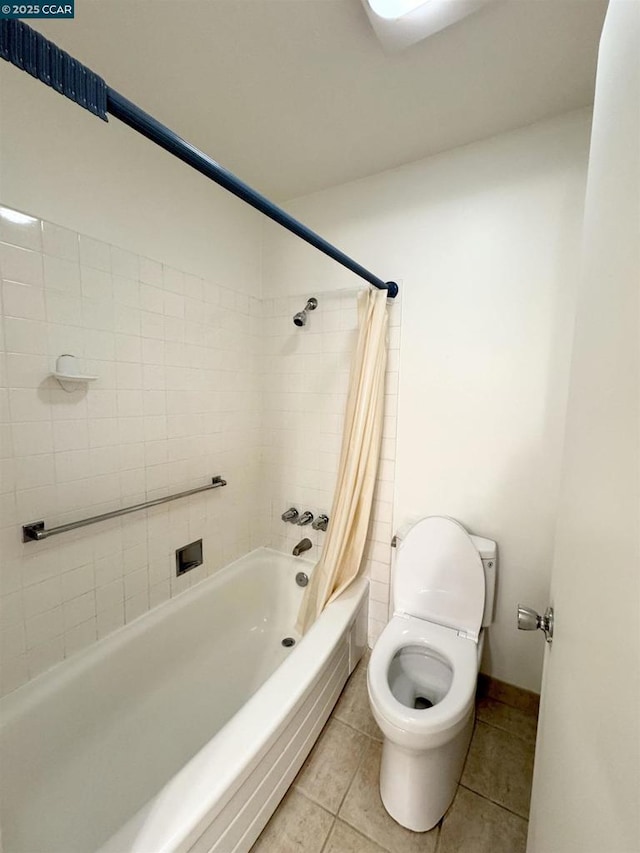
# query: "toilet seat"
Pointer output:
{"type": "Point", "coordinates": [439, 576]}
{"type": "Point", "coordinates": [419, 729]}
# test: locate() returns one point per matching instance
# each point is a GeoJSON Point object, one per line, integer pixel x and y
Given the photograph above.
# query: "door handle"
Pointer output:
{"type": "Point", "coordinates": [530, 620]}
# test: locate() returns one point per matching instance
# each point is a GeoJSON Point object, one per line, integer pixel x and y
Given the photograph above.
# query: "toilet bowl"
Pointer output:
{"type": "Point", "coordinates": [423, 669]}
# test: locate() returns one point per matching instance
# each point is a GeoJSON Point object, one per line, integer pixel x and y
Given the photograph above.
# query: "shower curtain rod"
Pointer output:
{"type": "Point", "coordinates": [32, 52]}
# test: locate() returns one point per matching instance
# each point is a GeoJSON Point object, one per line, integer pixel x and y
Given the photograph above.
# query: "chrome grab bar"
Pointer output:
{"type": "Point", "coordinates": [36, 532]}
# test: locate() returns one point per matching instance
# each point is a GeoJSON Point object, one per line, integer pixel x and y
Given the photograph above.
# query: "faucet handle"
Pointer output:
{"type": "Point", "coordinates": [305, 518]}
{"type": "Point", "coordinates": [321, 522]}
{"type": "Point", "coordinates": [290, 515]}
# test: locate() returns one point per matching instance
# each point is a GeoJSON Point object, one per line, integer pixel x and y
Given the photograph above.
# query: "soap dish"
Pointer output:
{"type": "Point", "coordinates": [67, 373]}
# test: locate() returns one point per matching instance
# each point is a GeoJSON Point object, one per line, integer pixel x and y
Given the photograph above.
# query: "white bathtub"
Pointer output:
{"type": "Point", "coordinates": [181, 731]}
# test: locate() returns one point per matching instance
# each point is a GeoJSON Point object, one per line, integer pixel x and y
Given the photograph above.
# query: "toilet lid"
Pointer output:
{"type": "Point", "coordinates": [439, 576]}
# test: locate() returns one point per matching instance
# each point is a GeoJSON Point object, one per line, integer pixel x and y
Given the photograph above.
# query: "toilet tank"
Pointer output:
{"type": "Point", "coordinates": [488, 551]}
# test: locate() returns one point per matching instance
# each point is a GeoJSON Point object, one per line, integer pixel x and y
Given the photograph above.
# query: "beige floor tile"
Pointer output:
{"type": "Point", "coordinates": [523, 724]}
{"type": "Point", "coordinates": [331, 765]}
{"type": "Point", "coordinates": [353, 705]}
{"type": "Point", "coordinates": [297, 826]}
{"type": "Point", "coordinates": [499, 766]}
{"type": "Point", "coordinates": [344, 839]}
{"type": "Point", "coordinates": [476, 825]}
{"type": "Point", "coordinates": [363, 810]}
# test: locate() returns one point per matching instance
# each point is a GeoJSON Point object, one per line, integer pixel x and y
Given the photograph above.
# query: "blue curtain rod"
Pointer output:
{"type": "Point", "coordinates": [30, 51]}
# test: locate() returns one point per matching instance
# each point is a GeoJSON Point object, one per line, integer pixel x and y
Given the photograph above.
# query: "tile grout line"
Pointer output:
{"type": "Point", "coordinates": [313, 802]}
{"type": "Point", "coordinates": [352, 780]}
{"type": "Point", "coordinates": [367, 746]}
{"type": "Point", "coordinates": [440, 822]}
{"type": "Point", "coordinates": [355, 772]}
{"type": "Point", "coordinates": [356, 729]}
{"type": "Point", "coordinates": [344, 819]}
{"type": "Point", "coordinates": [370, 740]}
{"type": "Point", "coordinates": [495, 803]}
{"type": "Point", "coordinates": [326, 841]}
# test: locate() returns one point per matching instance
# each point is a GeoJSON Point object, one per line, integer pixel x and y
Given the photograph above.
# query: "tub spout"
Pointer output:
{"type": "Point", "coordinates": [301, 547]}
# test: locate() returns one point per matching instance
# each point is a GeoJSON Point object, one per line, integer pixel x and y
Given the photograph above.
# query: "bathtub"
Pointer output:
{"type": "Point", "coordinates": [182, 730]}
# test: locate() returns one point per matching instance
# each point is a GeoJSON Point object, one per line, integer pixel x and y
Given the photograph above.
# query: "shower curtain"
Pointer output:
{"type": "Point", "coordinates": [344, 544]}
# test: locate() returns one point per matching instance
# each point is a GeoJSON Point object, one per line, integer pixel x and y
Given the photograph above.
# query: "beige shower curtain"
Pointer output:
{"type": "Point", "coordinates": [345, 540]}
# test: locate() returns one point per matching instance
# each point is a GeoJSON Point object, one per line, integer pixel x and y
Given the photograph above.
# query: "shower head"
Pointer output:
{"type": "Point", "coordinates": [300, 319]}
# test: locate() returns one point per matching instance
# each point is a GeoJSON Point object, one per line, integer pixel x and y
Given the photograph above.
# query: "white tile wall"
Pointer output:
{"type": "Point", "coordinates": [305, 375]}
{"type": "Point", "coordinates": [177, 401]}
{"type": "Point", "coordinates": [196, 379]}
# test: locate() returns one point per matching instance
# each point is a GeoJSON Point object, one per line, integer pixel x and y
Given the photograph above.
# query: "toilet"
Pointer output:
{"type": "Point", "coordinates": [423, 669]}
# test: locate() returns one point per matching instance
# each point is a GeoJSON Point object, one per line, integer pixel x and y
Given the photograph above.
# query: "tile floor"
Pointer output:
{"type": "Point", "coordinates": [333, 805]}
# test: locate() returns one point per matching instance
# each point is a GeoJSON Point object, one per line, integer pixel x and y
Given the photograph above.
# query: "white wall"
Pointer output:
{"type": "Point", "coordinates": [60, 163]}
{"type": "Point", "coordinates": [586, 789]}
{"type": "Point", "coordinates": [485, 239]}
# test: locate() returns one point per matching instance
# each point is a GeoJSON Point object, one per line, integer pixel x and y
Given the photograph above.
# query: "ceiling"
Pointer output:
{"type": "Point", "coordinates": [297, 95]}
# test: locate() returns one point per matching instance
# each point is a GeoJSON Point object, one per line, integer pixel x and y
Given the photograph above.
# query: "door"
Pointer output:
{"type": "Point", "coordinates": [586, 792]}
